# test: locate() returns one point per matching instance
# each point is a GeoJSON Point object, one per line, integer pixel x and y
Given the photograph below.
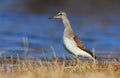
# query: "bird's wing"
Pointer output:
{"type": "Point", "coordinates": [82, 46]}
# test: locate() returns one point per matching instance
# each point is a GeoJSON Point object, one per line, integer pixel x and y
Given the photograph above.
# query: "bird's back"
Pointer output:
{"type": "Point", "coordinates": [82, 46]}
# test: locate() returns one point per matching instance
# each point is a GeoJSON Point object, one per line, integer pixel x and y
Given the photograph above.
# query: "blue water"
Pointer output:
{"type": "Point", "coordinates": [40, 34]}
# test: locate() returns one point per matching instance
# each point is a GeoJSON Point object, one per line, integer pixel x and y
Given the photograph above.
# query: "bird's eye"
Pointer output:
{"type": "Point", "coordinates": [60, 14]}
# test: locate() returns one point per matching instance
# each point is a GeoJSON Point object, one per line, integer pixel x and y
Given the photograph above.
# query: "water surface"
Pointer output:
{"type": "Point", "coordinates": [35, 35]}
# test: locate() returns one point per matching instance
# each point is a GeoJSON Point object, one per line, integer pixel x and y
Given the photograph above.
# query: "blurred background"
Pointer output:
{"type": "Point", "coordinates": [45, 6]}
{"type": "Point", "coordinates": [26, 31]}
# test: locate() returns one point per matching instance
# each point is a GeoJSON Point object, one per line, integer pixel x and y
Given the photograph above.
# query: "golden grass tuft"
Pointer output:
{"type": "Point", "coordinates": [25, 69]}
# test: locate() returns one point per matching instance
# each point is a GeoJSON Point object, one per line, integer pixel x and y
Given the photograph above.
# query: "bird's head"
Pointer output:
{"type": "Point", "coordinates": [61, 15]}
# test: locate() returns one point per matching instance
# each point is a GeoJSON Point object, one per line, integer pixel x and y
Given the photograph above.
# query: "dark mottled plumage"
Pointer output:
{"type": "Point", "coordinates": [82, 46]}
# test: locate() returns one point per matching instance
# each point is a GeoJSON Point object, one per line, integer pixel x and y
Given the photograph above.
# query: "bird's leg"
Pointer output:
{"type": "Point", "coordinates": [77, 63]}
{"type": "Point", "coordinates": [95, 62]}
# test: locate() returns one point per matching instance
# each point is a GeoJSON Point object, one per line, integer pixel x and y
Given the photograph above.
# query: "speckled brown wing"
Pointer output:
{"type": "Point", "coordinates": [82, 46]}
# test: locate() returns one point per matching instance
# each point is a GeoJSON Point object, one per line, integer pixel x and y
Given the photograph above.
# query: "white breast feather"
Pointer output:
{"type": "Point", "coordinates": [72, 47]}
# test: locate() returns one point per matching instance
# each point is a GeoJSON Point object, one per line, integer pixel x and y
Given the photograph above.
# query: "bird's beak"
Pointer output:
{"type": "Point", "coordinates": [52, 17]}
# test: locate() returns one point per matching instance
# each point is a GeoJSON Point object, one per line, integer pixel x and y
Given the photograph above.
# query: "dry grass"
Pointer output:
{"type": "Point", "coordinates": [25, 69]}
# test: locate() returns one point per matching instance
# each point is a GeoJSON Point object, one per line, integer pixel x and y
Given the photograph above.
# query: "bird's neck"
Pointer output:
{"type": "Point", "coordinates": [68, 30]}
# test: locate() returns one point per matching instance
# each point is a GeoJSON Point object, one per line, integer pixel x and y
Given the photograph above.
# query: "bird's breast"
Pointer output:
{"type": "Point", "coordinates": [73, 48]}
{"type": "Point", "coordinates": [70, 45]}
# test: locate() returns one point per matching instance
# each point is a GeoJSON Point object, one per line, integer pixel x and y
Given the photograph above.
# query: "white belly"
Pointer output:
{"type": "Point", "coordinates": [72, 47]}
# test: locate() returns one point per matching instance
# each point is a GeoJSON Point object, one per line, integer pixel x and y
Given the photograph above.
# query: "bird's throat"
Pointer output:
{"type": "Point", "coordinates": [67, 25]}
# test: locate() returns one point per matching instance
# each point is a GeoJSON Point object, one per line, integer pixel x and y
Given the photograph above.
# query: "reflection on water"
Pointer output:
{"type": "Point", "coordinates": [101, 33]}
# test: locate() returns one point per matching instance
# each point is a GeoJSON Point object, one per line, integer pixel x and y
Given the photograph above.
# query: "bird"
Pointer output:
{"type": "Point", "coordinates": [71, 42]}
